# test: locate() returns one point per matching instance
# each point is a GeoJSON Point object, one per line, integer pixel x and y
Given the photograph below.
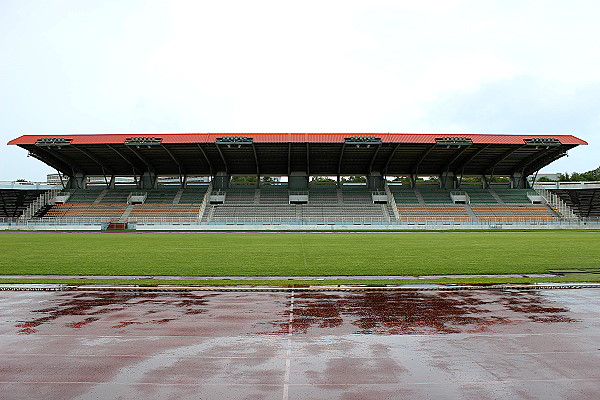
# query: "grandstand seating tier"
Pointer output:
{"type": "Point", "coordinates": [326, 203]}
{"type": "Point", "coordinates": [14, 202]}
{"type": "Point", "coordinates": [513, 195]}
{"type": "Point", "coordinates": [433, 194]}
{"type": "Point", "coordinates": [479, 195]}
{"type": "Point", "coordinates": [403, 194]}
{"type": "Point", "coordinates": [512, 211]}
{"type": "Point", "coordinates": [433, 211]}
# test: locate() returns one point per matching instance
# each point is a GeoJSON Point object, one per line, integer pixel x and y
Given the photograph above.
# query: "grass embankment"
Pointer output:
{"type": "Point", "coordinates": [294, 254]}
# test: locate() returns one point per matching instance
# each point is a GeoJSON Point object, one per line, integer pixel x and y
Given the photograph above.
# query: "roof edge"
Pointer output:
{"type": "Point", "coordinates": [295, 137]}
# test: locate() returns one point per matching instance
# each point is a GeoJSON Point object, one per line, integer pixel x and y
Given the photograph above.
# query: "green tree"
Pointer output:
{"type": "Point", "coordinates": [243, 179]}
{"type": "Point", "coordinates": [321, 179]}
{"type": "Point", "coordinates": [355, 179]}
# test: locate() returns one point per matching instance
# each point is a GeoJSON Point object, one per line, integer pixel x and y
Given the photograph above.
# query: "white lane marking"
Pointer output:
{"type": "Point", "coordinates": [288, 353]}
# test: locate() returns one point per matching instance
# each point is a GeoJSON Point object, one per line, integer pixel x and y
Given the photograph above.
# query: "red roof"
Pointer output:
{"type": "Point", "coordinates": [294, 138]}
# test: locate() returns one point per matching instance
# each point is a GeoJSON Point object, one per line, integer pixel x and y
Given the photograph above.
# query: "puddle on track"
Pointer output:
{"type": "Point", "coordinates": [384, 312]}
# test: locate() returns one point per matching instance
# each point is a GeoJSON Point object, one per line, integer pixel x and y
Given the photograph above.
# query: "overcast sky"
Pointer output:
{"type": "Point", "coordinates": [452, 67]}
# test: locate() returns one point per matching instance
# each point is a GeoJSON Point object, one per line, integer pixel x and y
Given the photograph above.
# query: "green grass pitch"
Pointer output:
{"type": "Point", "coordinates": [295, 254]}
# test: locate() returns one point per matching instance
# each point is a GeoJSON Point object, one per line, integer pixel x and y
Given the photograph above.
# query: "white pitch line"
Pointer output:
{"type": "Point", "coordinates": [288, 353]}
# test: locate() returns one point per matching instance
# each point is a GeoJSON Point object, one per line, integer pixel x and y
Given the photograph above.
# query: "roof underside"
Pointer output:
{"type": "Point", "coordinates": [280, 154]}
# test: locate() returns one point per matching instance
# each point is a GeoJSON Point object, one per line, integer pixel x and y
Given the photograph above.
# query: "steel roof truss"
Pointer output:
{"type": "Point", "coordinates": [74, 167]}
{"type": "Point", "coordinates": [459, 152]}
{"type": "Point", "coordinates": [339, 170]}
{"type": "Point", "coordinates": [143, 158]}
{"type": "Point", "coordinates": [212, 172]}
{"type": "Point", "coordinates": [96, 160]}
{"type": "Point", "coordinates": [179, 166]}
{"type": "Point", "coordinates": [222, 157]}
{"type": "Point", "coordinates": [415, 168]}
{"type": "Point", "coordinates": [389, 160]}
{"type": "Point", "coordinates": [289, 166]}
{"type": "Point", "coordinates": [136, 170]}
{"type": "Point", "coordinates": [544, 155]}
{"type": "Point", "coordinates": [503, 157]}
{"type": "Point", "coordinates": [374, 156]}
{"type": "Point", "coordinates": [256, 159]}
{"type": "Point", "coordinates": [307, 160]}
{"type": "Point", "coordinates": [52, 161]}
{"type": "Point", "coordinates": [468, 160]}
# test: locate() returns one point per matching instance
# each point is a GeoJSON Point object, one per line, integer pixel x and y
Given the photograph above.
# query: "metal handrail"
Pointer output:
{"type": "Point", "coordinates": [392, 201]}
{"type": "Point", "coordinates": [557, 203]}
{"type": "Point", "coordinates": [205, 200]}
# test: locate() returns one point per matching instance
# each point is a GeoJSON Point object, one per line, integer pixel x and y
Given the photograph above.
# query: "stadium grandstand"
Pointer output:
{"type": "Point", "coordinates": [582, 197]}
{"type": "Point", "coordinates": [189, 181]}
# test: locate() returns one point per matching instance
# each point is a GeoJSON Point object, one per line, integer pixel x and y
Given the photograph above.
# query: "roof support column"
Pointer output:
{"type": "Point", "coordinates": [518, 181]}
{"type": "Point", "coordinates": [148, 180]}
{"type": "Point", "coordinates": [375, 181]}
{"type": "Point", "coordinates": [413, 181]}
{"type": "Point", "coordinates": [77, 181]}
{"type": "Point", "coordinates": [298, 180]}
{"type": "Point", "coordinates": [484, 182]}
{"type": "Point", "coordinates": [448, 180]}
{"type": "Point", "coordinates": [221, 180]}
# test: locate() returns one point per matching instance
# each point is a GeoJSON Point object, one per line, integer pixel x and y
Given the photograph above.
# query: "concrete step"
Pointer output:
{"type": "Point", "coordinates": [178, 196]}
{"type": "Point", "coordinates": [126, 213]}
{"type": "Point", "coordinates": [100, 196]}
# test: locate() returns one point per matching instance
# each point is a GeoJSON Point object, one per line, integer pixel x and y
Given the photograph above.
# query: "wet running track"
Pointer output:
{"type": "Point", "coordinates": [481, 344]}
